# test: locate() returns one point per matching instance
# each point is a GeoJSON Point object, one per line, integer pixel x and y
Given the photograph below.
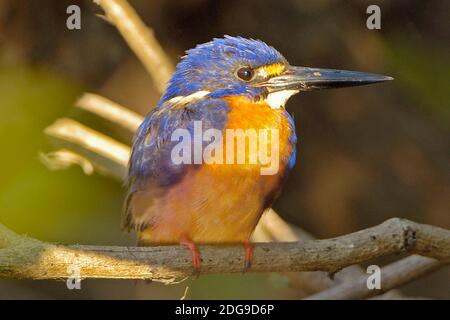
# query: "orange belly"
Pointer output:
{"type": "Point", "coordinates": [222, 203]}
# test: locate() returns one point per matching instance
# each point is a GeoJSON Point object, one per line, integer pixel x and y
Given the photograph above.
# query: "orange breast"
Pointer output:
{"type": "Point", "coordinates": [222, 203]}
{"type": "Point", "coordinates": [246, 114]}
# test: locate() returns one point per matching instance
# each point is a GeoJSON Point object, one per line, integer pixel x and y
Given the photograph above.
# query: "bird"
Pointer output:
{"type": "Point", "coordinates": [230, 83]}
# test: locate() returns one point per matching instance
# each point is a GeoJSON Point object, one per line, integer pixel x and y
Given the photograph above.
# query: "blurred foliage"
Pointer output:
{"type": "Point", "coordinates": [424, 73]}
{"type": "Point", "coordinates": [51, 206]}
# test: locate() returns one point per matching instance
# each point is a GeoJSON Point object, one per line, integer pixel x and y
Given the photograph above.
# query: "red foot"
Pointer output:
{"type": "Point", "coordinates": [196, 259]}
{"type": "Point", "coordinates": [248, 255]}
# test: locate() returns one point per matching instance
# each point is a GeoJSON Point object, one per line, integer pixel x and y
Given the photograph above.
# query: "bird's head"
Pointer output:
{"type": "Point", "coordinates": [235, 66]}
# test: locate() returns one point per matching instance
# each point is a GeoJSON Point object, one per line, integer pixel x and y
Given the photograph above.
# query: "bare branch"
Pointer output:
{"type": "Point", "coordinates": [25, 258]}
{"type": "Point", "coordinates": [64, 159]}
{"type": "Point", "coordinates": [140, 39]}
{"type": "Point", "coordinates": [110, 111]}
{"type": "Point", "coordinates": [393, 276]}
{"type": "Point", "coordinates": [275, 228]}
{"type": "Point", "coordinates": [107, 155]}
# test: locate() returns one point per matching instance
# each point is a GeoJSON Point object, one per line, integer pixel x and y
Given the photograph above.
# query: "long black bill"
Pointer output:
{"type": "Point", "coordinates": [307, 79]}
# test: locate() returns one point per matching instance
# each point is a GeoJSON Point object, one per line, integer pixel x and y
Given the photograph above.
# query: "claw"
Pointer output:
{"type": "Point", "coordinates": [196, 259]}
{"type": "Point", "coordinates": [248, 255]}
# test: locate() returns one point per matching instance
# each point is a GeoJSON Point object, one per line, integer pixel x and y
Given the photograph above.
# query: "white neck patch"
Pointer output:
{"type": "Point", "coordinates": [278, 99]}
{"type": "Point", "coordinates": [182, 100]}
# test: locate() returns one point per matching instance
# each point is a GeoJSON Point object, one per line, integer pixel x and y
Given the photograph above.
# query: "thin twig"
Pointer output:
{"type": "Point", "coordinates": [64, 159]}
{"type": "Point", "coordinates": [110, 111]}
{"type": "Point", "coordinates": [140, 39]}
{"type": "Point", "coordinates": [391, 276]}
{"type": "Point", "coordinates": [106, 155]}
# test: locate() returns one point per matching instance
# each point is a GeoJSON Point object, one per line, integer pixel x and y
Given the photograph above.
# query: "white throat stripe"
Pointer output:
{"type": "Point", "coordinates": [181, 100]}
{"type": "Point", "coordinates": [278, 99]}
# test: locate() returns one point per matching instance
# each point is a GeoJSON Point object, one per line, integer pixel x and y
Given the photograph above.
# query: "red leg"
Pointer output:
{"type": "Point", "coordinates": [196, 259]}
{"type": "Point", "coordinates": [248, 254]}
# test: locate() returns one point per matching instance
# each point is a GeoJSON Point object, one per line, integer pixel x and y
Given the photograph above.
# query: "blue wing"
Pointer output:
{"type": "Point", "coordinates": [150, 165]}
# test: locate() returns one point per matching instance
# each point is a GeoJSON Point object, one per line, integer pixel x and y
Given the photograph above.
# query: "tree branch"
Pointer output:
{"type": "Point", "coordinates": [105, 154]}
{"type": "Point", "coordinates": [110, 111]}
{"type": "Point", "coordinates": [25, 258]}
{"type": "Point", "coordinates": [392, 276]}
{"type": "Point", "coordinates": [140, 39]}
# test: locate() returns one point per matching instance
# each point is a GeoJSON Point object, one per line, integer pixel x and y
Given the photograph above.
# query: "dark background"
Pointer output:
{"type": "Point", "coordinates": [365, 154]}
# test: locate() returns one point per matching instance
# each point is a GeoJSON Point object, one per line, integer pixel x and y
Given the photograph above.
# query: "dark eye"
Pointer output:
{"type": "Point", "coordinates": [245, 73]}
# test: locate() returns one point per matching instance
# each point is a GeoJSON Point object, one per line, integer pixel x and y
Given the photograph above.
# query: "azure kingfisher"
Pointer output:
{"type": "Point", "coordinates": [228, 83]}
